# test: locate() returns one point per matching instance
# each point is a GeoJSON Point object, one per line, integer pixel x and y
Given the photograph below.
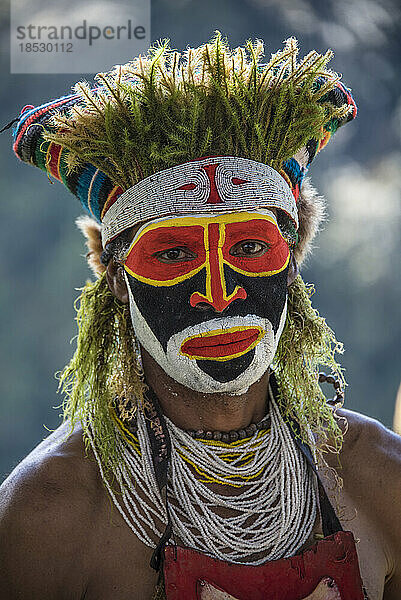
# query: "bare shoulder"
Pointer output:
{"type": "Point", "coordinates": [371, 451]}
{"type": "Point", "coordinates": [371, 459]}
{"type": "Point", "coordinates": [48, 505]}
{"type": "Point", "coordinates": [57, 468]}
{"type": "Point", "coordinates": [60, 537]}
{"type": "Point", "coordinates": [370, 465]}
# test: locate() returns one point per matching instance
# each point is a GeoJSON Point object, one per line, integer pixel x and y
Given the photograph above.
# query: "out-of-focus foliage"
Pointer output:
{"type": "Point", "coordinates": [356, 264]}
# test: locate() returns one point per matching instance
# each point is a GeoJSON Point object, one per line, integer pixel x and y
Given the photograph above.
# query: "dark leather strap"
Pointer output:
{"type": "Point", "coordinates": [160, 443]}
{"type": "Point", "coordinates": [158, 553]}
{"type": "Point", "coordinates": [159, 438]}
{"type": "Point", "coordinates": [330, 521]}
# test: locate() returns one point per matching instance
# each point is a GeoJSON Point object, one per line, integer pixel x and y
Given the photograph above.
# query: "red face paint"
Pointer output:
{"type": "Point", "coordinates": [209, 242]}
{"type": "Point", "coordinates": [256, 229]}
{"type": "Point", "coordinates": [144, 262]}
{"type": "Point", "coordinates": [229, 343]}
{"type": "Point", "coordinates": [216, 292]}
{"type": "Point", "coordinates": [208, 296]}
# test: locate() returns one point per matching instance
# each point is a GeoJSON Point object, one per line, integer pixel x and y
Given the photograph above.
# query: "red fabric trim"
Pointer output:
{"type": "Point", "coordinates": [35, 117]}
{"type": "Point", "coordinates": [350, 99]}
{"type": "Point", "coordinates": [287, 579]}
{"type": "Point", "coordinates": [295, 192]}
{"type": "Point", "coordinates": [53, 165]}
{"type": "Point", "coordinates": [112, 197]}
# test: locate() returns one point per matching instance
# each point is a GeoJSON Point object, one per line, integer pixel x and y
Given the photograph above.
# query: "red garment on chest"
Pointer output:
{"type": "Point", "coordinates": [286, 579]}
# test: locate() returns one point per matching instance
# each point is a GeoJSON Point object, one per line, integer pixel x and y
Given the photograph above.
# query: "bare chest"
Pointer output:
{"type": "Point", "coordinates": [120, 567]}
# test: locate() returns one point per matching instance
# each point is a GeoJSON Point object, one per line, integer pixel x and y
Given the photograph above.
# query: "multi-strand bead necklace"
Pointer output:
{"type": "Point", "coordinates": [245, 501]}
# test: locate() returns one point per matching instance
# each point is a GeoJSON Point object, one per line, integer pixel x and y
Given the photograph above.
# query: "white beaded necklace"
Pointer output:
{"type": "Point", "coordinates": [270, 514]}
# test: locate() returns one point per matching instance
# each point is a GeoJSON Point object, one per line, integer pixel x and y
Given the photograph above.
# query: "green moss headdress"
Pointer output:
{"type": "Point", "coordinates": [163, 110]}
{"type": "Point", "coordinates": [167, 109]}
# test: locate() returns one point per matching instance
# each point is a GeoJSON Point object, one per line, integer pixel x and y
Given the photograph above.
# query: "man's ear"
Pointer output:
{"type": "Point", "coordinates": [116, 281]}
{"type": "Point", "coordinates": [293, 270]}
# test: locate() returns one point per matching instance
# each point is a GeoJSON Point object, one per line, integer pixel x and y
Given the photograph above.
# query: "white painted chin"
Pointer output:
{"type": "Point", "coordinates": [185, 370]}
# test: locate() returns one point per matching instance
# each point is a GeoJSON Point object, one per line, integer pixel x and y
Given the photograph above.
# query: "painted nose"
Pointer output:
{"type": "Point", "coordinates": [219, 301]}
{"type": "Point", "coordinates": [216, 295]}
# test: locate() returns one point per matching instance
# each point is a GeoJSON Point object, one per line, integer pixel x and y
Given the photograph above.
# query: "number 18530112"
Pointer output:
{"type": "Point", "coordinates": [46, 47]}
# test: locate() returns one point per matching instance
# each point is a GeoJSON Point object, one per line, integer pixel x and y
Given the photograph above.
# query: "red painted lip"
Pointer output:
{"type": "Point", "coordinates": [221, 345]}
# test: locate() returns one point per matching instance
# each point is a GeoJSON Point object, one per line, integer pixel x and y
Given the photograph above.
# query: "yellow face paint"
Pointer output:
{"type": "Point", "coordinates": [208, 296]}
{"type": "Point", "coordinates": [208, 240]}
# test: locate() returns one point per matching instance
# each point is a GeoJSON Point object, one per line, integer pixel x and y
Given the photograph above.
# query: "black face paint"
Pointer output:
{"type": "Point", "coordinates": [167, 311]}
{"type": "Point", "coordinates": [209, 338]}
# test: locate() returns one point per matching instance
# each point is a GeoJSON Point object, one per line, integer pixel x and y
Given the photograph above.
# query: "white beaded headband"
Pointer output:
{"type": "Point", "coordinates": [217, 184]}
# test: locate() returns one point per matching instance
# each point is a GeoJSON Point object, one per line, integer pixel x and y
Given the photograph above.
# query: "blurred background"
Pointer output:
{"type": "Point", "coordinates": [356, 263]}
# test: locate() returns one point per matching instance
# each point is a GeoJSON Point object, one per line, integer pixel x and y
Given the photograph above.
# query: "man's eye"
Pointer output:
{"type": "Point", "coordinates": [175, 255]}
{"type": "Point", "coordinates": [249, 248]}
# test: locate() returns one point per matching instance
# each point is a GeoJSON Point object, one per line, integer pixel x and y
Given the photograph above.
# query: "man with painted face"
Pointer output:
{"type": "Point", "coordinates": [221, 340]}
{"type": "Point", "coordinates": [199, 458]}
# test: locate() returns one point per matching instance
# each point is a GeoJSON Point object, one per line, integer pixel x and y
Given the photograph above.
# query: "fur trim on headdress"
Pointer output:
{"type": "Point", "coordinates": [311, 213]}
{"type": "Point", "coordinates": [92, 233]}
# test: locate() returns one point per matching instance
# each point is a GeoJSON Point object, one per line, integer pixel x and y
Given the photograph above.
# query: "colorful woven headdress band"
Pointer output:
{"type": "Point", "coordinates": [131, 149]}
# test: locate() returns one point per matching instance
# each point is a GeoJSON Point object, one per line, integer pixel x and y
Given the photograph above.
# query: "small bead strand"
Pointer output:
{"type": "Point", "coordinates": [336, 383]}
